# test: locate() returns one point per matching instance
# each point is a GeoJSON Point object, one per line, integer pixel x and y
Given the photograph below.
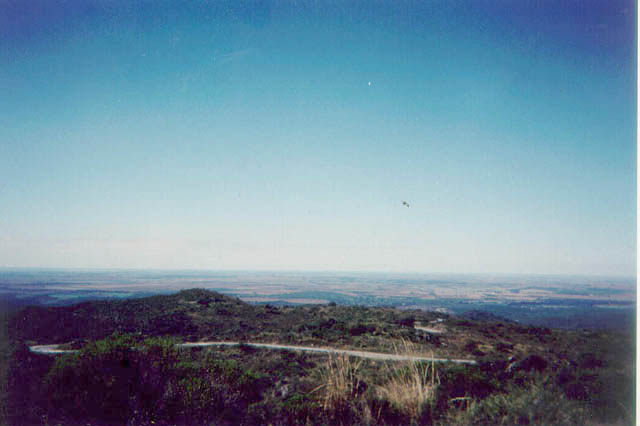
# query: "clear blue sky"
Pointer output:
{"type": "Point", "coordinates": [286, 136]}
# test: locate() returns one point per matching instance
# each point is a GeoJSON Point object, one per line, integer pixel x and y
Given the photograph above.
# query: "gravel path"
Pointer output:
{"type": "Point", "coordinates": [50, 350]}
{"type": "Point", "coordinates": [429, 329]}
{"type": "Point", "coordinates": [53, 350]}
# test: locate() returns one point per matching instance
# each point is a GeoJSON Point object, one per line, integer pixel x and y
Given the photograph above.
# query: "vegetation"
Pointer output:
{"type": "Point", "coordinates": [410, 388]}
{"type": "Point", "coordinates": [129, 369]}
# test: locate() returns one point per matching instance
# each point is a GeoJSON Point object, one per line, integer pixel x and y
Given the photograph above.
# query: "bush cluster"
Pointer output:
{"type": "Point", "coordinates": [137, 375]}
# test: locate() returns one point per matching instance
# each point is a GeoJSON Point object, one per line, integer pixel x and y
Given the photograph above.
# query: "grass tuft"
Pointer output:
{"type": "Point", "coordinates": [411, 385]}
{"type": "Point", "coordinates": [340, 381]}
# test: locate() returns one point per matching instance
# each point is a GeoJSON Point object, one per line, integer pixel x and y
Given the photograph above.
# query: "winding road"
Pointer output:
{"type": "Point", "coordinates": [53, 350]}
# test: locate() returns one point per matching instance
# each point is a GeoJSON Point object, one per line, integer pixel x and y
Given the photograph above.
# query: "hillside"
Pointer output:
{"type": "Point", "coordinates": [127, 350]}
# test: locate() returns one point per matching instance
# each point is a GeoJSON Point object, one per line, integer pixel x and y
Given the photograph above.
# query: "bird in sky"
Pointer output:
{"type": "Point", "coordinates": [404, 203]}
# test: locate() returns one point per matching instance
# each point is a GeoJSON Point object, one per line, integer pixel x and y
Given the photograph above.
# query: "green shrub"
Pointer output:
{"type": "Point", "coordinates": [118, 379]}
{"type": "Point", "coordinates": [534, 405]}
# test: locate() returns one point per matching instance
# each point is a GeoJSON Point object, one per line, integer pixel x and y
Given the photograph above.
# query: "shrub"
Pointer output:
{"type": "Point", "coordinates": [462, 381]}
{"type": "Point", "coordinates": [361, 329]}
{"type": "Point", "coordinates": [407, 321]}
{"type": "Point", "coordinates": [116, 380]}
{"type": "Point", "coordinates": [533, 405]}
{"type": "Point", "coordinates": [95, 383]}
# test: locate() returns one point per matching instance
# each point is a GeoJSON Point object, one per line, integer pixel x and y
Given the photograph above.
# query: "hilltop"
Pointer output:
{"type": "Point", "coordinates": [522, 373]}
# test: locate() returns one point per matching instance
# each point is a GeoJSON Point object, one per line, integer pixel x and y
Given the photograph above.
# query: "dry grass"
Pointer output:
{"type": "Point", "coordinates": [411, 385]}
{"type": "Point", "coordinates": [340, 381]}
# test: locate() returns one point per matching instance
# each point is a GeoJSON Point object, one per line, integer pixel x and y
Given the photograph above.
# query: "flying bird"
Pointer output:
{"type": "Point", "coordinates": [404, 203]}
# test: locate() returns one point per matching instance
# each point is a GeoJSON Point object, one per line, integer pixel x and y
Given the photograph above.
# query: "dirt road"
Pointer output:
{"type": "Point", "coordinates": [53, 350]}
{"type": "Point", "coordinates": [50, 350]}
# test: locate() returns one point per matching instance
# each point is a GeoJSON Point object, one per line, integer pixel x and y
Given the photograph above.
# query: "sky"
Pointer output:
{"type": "Point", "coordinates": [286, 135]}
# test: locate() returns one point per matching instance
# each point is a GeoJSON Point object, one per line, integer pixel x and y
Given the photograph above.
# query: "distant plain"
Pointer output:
{"type": "Point", "coordinates": [556, 301]}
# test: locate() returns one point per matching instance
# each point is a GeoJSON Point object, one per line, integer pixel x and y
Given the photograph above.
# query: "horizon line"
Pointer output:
{"type": "Point", "coordinates": [315, 271]}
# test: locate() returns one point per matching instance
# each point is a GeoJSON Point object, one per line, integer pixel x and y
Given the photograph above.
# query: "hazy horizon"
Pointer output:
{"type": "Point", "coordinates": [204, 272]}
{"type": "Point", "coordinates": [275, 137]}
